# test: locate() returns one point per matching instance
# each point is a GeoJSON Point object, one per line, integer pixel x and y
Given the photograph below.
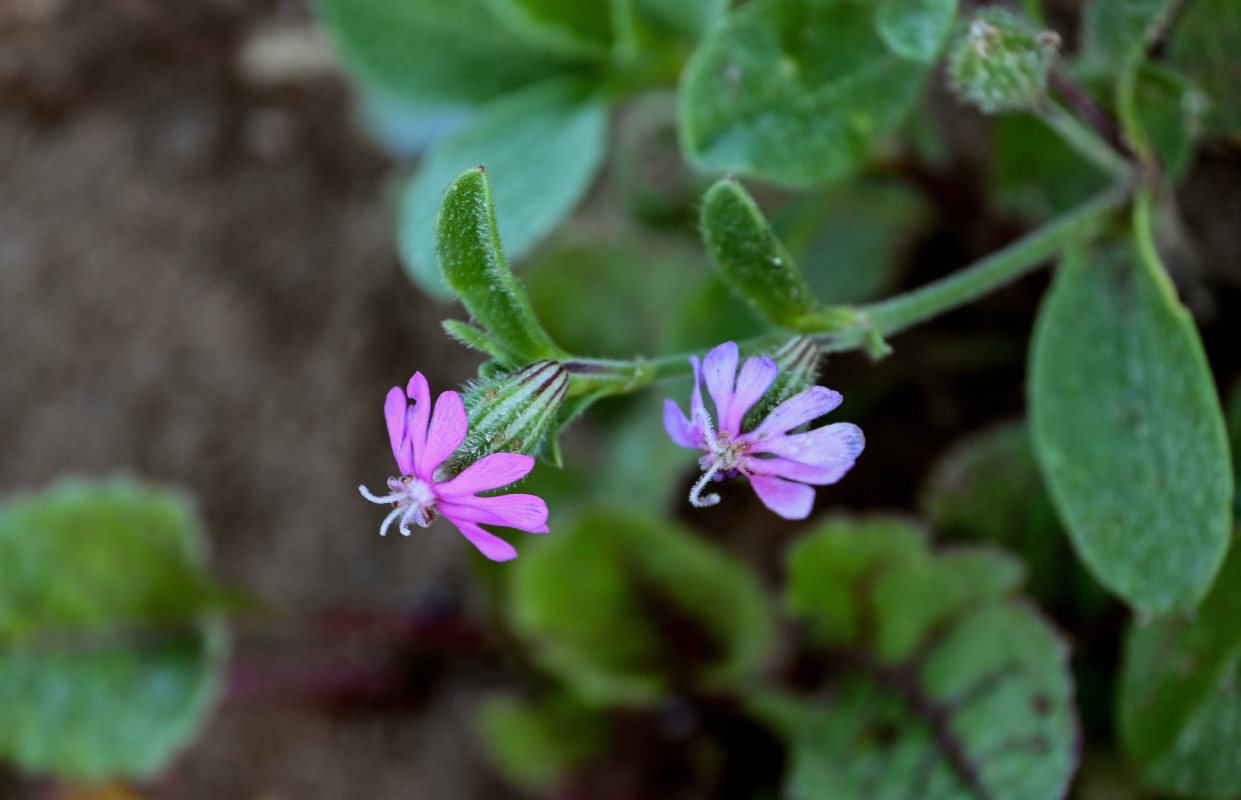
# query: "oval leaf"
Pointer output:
{"type": "Point", "coordinates": [793, 91]}
{"type": "Point", "coordinates": [474, 267]}
{"type": "Point", "coordinates": [752, 261]}
{"type": "Point", "coordinates": [953, 689]}
{"type": "Point", "coordinates": [915, 29]}
{"type": "Point", "coordinates": [543, 147]}
{"type": "Point", "coordinates": [1178, 696]}
{"type": "Point", "coordinates": [1128, 430]}
{"type": "Point", "coordinates": [432, 51]}
{"type": "Point", "coordinates": [106, 668]}
{"type": "Point", "coordinates": [622, 608]}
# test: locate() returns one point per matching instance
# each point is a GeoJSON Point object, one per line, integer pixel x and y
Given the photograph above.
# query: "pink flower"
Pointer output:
{"type": "Point", "coordinates": [779, 464]}
{"type": "Point", "coordinates": [421, 443]}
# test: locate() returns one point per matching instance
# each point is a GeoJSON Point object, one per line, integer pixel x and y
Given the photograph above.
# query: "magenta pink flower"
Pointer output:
{"type": "Point", "coordinates": [779, 464]}
{"type": "Point", "coordinates": [422, 443]}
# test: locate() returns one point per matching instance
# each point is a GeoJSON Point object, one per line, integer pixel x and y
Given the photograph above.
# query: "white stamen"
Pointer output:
{"type": "Point", "coordinates": [388, 498]}
{"type": "Point", "coordinates": [703, 418]}
{"type": "Point", "coordinates": [387, 523]}
{"type": "Point", "coordinates": [695, 494]}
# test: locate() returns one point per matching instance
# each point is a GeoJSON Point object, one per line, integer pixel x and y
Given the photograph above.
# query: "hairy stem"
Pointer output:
{"type": "Point", "coordinates": [875, 321]}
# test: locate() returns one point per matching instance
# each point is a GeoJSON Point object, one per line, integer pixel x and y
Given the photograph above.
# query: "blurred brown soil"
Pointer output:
{"type": "Point", "coordinates": [198, 286]}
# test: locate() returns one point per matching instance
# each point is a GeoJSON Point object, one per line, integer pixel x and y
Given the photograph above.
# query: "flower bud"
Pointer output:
{"type": "Point", "coordinates": [1001, 63]}
{"type": "Point", "coordinates": [512, 412]}
{"type": "Point", "coordinates": [798, 359]}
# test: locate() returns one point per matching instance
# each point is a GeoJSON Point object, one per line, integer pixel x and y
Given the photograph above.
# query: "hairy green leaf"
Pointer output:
{"type": "Point", "coordinates": [944, 686]}
{"type": "Point", "coordinates": [794, 91]}
{"type": "Point", "coordinates": [624, 607]}
{"type": "Point", "coordinates": [752, 261]}
{"type": "Point", "coordinates": [1128, 430]}
{"type": "Point", "coordinates": [474, 267]}
{"type": "Point", "coordinates": [541, 147]}
{"type": "Point", "coordinates": [107, 665]}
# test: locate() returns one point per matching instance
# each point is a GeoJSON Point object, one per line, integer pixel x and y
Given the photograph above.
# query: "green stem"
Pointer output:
{"type": "Point", "coordinates": [1085, 142]}
{"type": "Point", "coordinates": [878, 320]}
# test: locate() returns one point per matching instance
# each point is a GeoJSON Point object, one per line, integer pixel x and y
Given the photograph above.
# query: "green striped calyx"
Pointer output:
{"type": "Point", "coordinates": [511, 412]}
{"type": "Point", "coordinates": [798, 359]}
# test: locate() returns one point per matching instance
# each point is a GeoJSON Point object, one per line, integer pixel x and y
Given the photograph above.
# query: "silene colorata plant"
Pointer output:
{"type": "Point", "coordinates": [721, 209]}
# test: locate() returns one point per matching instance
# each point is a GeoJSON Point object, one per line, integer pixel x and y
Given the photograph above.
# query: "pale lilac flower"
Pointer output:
{"type": "Point", "coordinates": [778, 464]}
{"type": "Point", "coordinates": [421, 443]}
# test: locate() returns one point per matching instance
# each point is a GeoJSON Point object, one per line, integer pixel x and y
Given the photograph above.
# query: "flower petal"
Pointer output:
{"type": "Point", "coordinates": [445, 434]}
{"type": "Point", "coordinates": [756, 377]}
{"type": "Point", "coordinates": [394, 414]}
{"type": "Point", "coordinates": [719, 369]}
{"type": "Point", "coordinates": [418, 415]}
{"type": "Point", "coordinates": [488, 544]}
{"type": "Point", "coordinates": [525, 512]}
{"type": "Point", "coordinates": [835, 444]}
{"type": "Point", "coordinates": [680, 430]}
{"type": "Point", "coordinates": [789, 500]}
{"type": "Point", "coordinates": [492, 472]}
{"type": "Point", "coordinates": [695, 403]}
{"type": "Point", "coordinates": [799, 409]}
{"type": "Point", "coordinates": [795, 470]}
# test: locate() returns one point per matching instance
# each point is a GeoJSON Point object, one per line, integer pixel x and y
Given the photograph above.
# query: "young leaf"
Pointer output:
{"type": "Point", "coordinates": [1206, 44]}
{"type": "Point", "coordinates": [1178, 714]}
{"type": "Point", "coordinates": [752, 261]}
{"type": "Point", "coordinates": [433, 51]}
{"type": "Point", "coordinates": [952, 688]}
{"type": "Point", "coordinates": [915, 29]}
{"type": "Point", "coordinates": [474, 267]}
{"type": "Point", "coordinates": [624, 607]}
{"type": "Point", "coordinates": [107, 666]}
{"type": "Point", "coordinates": [794, 91]}
{"type": "Point", "coordinates": [542, 145]}
{"type": "Point", "coordinates": [480, 340]}
{"type": "Point", "coordinates": [1128, 430]}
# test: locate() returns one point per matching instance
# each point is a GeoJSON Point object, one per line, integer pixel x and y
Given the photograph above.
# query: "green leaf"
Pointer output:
{"type": "Point", "coordinates": [1206, 44]}
{"type": "Point", "coordinates": [945, 686]}
{"type": "Point", "coordinates": [433, 51]}
{"type": "Point", "coordinates": [474, 267]}
{"type": "Point", "coordinates": [536, 743]}
{"type": "Point", "coordinates": [915, 29]}
{"type": "Point", "coordinates": [542, 146]}
{"type": "Point", "coordinates": [560, 26]}
{"type": "Point", "coordinates": [1178, 713]}
{"type": "Point", "coordinates": [107, 666]}
{"type": "Point", "coordinates": [794, 91]}
{"type": "Point", "coordinates": [752, 261]}
{"type": "Point", "coordinates": [1171, 110]}
{"type": "Point", "coordinates": [1035, 172]}
{"type": "Point", "coordinates": [1128, 430]}
{"type": "Point", "coordinates": [623, 608]}
{"type": "Point", "coordinates": [691, 18]}
{"type": "Point", "coordinates": [1113, 31]}
{"type": "Point", "coordinates": [987, 487]}
{"type": "Point", "coordinates": [1234, 436]}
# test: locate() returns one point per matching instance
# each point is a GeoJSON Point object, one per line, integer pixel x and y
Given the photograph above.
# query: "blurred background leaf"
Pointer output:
{"type": "Point", "coordinates": [796, 92]}
{"type": "Point", "coordinates": [109, 657]}
{"type": "Point", "coordinates": [625, 608]}
{"type": "Point", "coordinates": [952, 688]}
{"type": "Point", "coordinates": [1179, 717]}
